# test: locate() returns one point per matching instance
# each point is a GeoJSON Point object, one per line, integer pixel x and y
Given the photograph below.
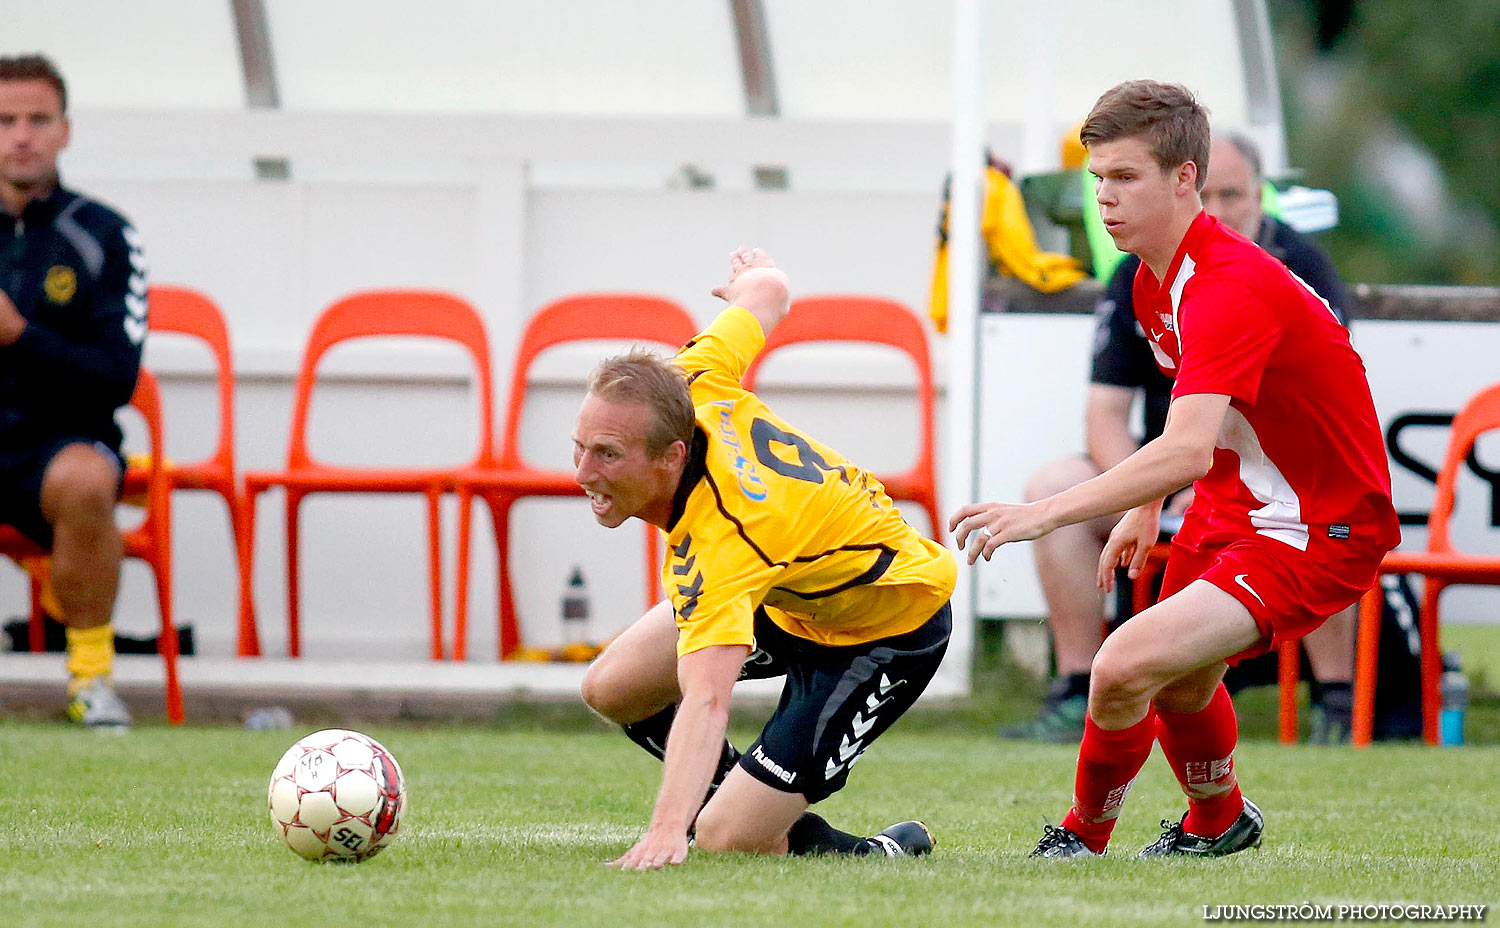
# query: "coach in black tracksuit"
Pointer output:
{"type": "Point", "coordinates": [72, 321]}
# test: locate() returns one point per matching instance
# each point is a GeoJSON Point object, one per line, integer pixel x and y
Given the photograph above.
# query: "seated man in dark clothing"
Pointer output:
{"type": "Point", "coordinates": [72, 321]}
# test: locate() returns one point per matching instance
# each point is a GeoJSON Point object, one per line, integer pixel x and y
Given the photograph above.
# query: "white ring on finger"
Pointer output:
{"type": "Point", "coordinates": [985, 531]}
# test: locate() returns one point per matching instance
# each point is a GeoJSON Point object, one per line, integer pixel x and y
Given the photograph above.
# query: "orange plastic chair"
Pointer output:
{"type": "Point", "coordinates": [613, 316]}
{"type": "Point", "coordinates": [1288, 653]}
{"type": "Point", "coordinates": [379, 313]}
{"type": "Point", "coordinates": [150, 541]}
{"type": "Point", "coordinates": [1440, 565]}
{"type": "Point", "coordinates": [881, 321]}
{"type": "Point", "coordinates": [188, 312]}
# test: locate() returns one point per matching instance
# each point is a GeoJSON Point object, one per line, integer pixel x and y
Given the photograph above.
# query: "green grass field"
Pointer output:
{"type": "Point", "coordinates": [510, 825]}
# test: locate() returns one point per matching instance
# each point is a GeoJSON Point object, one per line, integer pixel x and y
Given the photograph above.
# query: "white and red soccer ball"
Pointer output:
{"type": "Point", "coordinates": [337, 795]}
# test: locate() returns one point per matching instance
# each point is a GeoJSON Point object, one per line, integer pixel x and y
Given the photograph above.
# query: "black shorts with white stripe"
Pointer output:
{"type": "Point", "coordinates": [837, 700]}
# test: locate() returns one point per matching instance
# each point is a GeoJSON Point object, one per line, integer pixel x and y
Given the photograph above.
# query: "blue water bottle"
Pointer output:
{"type": "Point", "coordinates": [1454, 686]}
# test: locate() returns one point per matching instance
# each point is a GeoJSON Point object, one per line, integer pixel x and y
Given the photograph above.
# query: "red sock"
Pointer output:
{"type": "Point", "coordinates": [1200, 748]}
{"type": "Point", "coordinates": [1108, 762]}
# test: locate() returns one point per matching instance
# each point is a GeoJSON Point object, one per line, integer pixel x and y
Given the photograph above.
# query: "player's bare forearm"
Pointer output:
{"type": "Point", "coordinates": [692, 755]}
{"type": "Point", "coordinates": [1156, 470]}
{"type": "Point", "coordinates": [694, 746]}
{"type": "Point", "coordinates": [1181, 455]}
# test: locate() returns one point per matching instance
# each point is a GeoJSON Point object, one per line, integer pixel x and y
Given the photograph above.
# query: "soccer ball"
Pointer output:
{"type": "Point", "coordinates": [337, 794]}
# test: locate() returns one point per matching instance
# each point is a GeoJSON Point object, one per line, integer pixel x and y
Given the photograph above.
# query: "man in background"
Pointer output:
{"type": "Point", "coordinates": [1123, 368]}
{"type": "Point", "coordinates": [72, 321]}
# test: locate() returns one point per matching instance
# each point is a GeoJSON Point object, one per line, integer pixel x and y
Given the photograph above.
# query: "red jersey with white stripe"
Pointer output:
{"type": "Point", "coordinates": [1301, 449]}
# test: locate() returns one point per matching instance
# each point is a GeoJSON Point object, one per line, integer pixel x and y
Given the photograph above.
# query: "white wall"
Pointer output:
{"type": "Point", "coordinates": [472, 217]}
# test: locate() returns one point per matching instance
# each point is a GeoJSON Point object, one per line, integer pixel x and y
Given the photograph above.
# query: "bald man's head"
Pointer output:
{"type": "Point", "coordinates": [1232, 192]}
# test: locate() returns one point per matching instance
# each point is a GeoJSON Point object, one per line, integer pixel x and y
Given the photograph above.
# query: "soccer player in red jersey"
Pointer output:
{"type": "Point", "coordinates": [1272, 422]}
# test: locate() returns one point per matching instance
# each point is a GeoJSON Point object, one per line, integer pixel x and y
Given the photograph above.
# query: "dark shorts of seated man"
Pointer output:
{"type": "Point", "coordinates": [22, 471]}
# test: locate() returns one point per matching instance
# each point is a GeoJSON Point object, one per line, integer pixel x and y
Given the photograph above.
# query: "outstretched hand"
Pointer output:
{"type": "Point", "coordinates": [741, 260]}
{"type": "Point", "coordinates": [979, 529]}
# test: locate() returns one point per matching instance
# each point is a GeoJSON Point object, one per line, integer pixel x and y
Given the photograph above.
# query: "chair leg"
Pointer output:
{"type": "Point", "coordinates": [166, 642]}
{"type": "Point", "coordinates": [293, 579]}
{"type": "Point", "coordinates": [36, 630]}
{"type": "Point", "coordinates": [653, 567]}
{"type": "Point", "coordinates": [1288, 672]}
{"type": "Point", "coordinates": [1432, 659]}
{"type": "Point", "coordinates": [510, 628]}
{"type": "Point", "coordinates": [461, 585]}
{"type": "Point", "coordinates": [242, 525]}
{"type": "Point", "coordinates": [1366, 665]}
{"type": "Point", "coordinates": [435, 569]}
{"type": "Point", "coordinates": [1140, 589]}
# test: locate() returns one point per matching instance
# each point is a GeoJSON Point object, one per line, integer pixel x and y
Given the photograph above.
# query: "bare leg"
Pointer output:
{"type": "Point", "coordinates": [634, 684]}
{"type": "Point", "coordinates": [636, 676]}
{"type": "Point", "coordinates": [1067, 562]}
{"type": "Point", "coordinates": [79, 491]}
{"type": "Point", "coordinates": [1170, 643]}
{"type": "Point", "coordinates": [1330, 649]}
{"type": "Point", "coordinates": [1172, 652]}
{"type": "Point", "coordinates": [748, 816]}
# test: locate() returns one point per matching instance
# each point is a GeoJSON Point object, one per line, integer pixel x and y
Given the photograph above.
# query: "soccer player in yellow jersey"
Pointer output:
{"type": "Point", "coordinates": [783, 559]}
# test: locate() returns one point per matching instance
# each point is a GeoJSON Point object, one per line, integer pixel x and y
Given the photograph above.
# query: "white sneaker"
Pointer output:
{"type": "Point", "coordinates": [98, 707]}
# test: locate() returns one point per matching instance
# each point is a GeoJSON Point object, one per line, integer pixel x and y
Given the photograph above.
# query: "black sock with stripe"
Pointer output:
{"type": "Point", "coordinates": [811, 834]}
{"type": "Point", "coordinates": [651, 734]}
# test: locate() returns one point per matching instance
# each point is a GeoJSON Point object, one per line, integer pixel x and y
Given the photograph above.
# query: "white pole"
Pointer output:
{"type": "Point", "coordinates": [958, 461]}
{"type": "Point", "coordinates": [1040, 67]}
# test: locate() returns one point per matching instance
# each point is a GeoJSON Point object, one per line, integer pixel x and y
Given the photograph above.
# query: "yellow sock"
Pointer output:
{"type": "Point", "coordinates": [91, 653]}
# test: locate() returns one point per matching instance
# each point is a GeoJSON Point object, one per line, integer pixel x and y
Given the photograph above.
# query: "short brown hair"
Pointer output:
{"type": "Point", "coordinates": [640, 376]}
{"type": "Point", "coordinates": [35, 68]}
{"type": "Point", "coordinates": [1167, 117]}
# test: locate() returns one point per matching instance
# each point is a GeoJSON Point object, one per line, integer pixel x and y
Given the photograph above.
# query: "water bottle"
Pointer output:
{"type": "Point", "coordinates": [575, 609]}
{"type": "Point", "coordinates": [1454, 686]}
{"type": "Point", "coordinates": [269, 718]}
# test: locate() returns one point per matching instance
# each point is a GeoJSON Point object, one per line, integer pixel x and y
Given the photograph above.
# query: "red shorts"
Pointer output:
{"type": "Point", "coordinates": [1288, 592]}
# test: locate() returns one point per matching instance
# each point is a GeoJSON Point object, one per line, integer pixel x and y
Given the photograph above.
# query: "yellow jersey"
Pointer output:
{"type": "Point", "coordinates": [767, 517]}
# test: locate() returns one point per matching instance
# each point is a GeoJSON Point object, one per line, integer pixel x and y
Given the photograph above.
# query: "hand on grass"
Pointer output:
{"type": "Point", "coordinates": [653, 851]}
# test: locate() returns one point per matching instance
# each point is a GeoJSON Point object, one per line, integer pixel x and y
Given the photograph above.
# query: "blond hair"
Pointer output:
{"type": "Point", "coordinates": [641, 376]}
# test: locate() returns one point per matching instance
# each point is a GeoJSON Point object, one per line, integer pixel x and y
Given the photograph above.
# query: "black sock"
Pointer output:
{"type": "Point", "coordinates": [1337, 696]}
{"type": "Point", "coordinates": [1078, 684]}
{"type": "Point", "coordinates": [651, 734]}
{"type": "Point", "coordinates": [810, 834]}
{"type": "Point", "coordinates": [1065, 688]}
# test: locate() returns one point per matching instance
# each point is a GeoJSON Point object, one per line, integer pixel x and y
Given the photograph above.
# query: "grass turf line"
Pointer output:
{"type": "Point", "coordinates": [511, 827]}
